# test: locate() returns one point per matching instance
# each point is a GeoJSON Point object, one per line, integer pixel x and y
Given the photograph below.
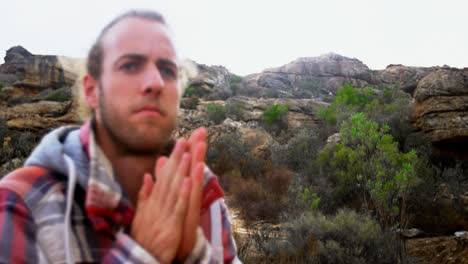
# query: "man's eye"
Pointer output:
{"type": "Point", "coordinates": [129, 66]}
{"type": "Point", "coordinates": [167, 71]}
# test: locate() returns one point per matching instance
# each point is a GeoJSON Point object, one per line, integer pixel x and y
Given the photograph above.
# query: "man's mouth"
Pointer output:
{"type": "Point", "coordinates": [150, 109]}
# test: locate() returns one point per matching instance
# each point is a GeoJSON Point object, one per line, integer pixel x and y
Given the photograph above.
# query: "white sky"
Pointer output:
{"type": "Point", "coordinates": [247, 36]}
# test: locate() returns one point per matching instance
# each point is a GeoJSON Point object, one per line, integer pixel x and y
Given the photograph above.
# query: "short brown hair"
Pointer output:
{"type": "Point", "coordinates": [95, 55]}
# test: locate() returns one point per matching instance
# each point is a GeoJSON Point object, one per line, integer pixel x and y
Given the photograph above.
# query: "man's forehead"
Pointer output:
{"type": "Point", "coordinates": [139, 35]}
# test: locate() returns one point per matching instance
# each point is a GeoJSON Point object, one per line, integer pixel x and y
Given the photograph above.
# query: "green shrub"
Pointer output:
{"type": "Point", "coordinates": [307, 89]}
{"type": "Point", "coordinates": [275, 118]}
{"type": "Point", "coordinates": [229, 152]}
{"type": "Point", "coordinates": [347, 237]}
{"type": "Point", "coordinates": [299, 153]}
{"type": "Point", "coordinates": [235, 83]}
{"type": "Point", "coordinates": [234, 110]}
{"type": "Point", "coordinates": [275, 113]}
{"type": "Point", "coordinates": [57, 97]}
{"type": "Point", "coordinates": [306, 201]}
{"type": "Point", "coordinates": [190, 103]}
{"type": "Point", "coordinates": [192, 91]}
{"type": "Point", "coordinates": [348, 100]}
{"type": "Point", "coordinates": [216, 112]}
{"type": "Point", "coordinates": [368, 163]}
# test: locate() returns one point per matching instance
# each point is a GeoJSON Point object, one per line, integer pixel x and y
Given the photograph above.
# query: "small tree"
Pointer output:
{"type": "Point", "coordinates": [367, 160]}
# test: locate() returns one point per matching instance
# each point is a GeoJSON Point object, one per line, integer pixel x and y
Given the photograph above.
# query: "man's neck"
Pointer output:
{"type": "Point", "coordinates": [129, 168]}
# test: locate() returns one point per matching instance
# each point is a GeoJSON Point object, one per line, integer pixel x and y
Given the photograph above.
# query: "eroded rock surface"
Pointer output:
{"type": "Point", "coordinates": [441, 109]}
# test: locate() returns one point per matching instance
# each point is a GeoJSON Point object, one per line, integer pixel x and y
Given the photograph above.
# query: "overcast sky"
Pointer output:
{"type": "Point", "coordinates": [247, 36]}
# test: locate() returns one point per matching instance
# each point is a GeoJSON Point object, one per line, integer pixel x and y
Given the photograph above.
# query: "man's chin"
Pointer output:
{"type": "Point", "coordinates": [146, 148]}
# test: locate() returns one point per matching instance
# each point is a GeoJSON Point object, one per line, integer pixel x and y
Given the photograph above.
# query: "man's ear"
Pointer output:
{"type": "Point", "coordinates": [90, 89]}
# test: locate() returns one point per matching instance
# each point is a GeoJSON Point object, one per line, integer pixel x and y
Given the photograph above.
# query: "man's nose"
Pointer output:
{"type": "Point", "coordinates": [153, 81]}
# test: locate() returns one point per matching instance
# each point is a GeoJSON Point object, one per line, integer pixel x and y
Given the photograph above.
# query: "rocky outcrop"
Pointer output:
{"type": "Point", "coordinates": [406, 78]}
{"type": "Point", "coordinates": [210, 83]}
{"type": "Point", "coordinates": [35, 97]}
{"type": "Point", "coordinates": [445, 212]}
{"type": "Point", "coordinates": [36, 71]}
{"type": "Point", "coordinates": [441, 109]}
{"type": "Point", "coordinates": [320, 77]}
{"type": "Point", "coordinates": [312, 77]}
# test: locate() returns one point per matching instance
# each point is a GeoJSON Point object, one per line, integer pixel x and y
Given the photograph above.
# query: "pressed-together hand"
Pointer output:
{"type": "Point", "coordinates": [197, 148]}
{"type": "Point", "coordinates": [162, 206]}
{"type": "Point", "coordinates": [168, 211]}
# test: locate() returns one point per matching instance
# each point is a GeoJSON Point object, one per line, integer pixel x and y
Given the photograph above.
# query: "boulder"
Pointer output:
{"type": "Point", "coordinates": [406, 78]}
{"type": "Point", "coordinates": [36, 71]}
{"type": "Point", "coordinates": [445, 212]}
{"type": "Point", "coordinates": [211, 83]}
{"type": "Point", "coordinates": [441, 110]}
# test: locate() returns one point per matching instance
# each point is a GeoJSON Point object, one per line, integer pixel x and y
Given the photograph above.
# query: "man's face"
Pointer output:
{"type": "Point", "coordinates": [138, 93]}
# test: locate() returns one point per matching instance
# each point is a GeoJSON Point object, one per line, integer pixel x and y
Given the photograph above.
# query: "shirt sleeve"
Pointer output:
{"type": "Point", "coordinates": [126, 250]}
{"type": "Point", "coordinates": [205, 252]}
{"type": "Point", "coordinates": [18, 230]}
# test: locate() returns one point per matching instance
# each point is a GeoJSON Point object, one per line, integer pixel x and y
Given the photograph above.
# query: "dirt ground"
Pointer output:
{"type": "Point", "coordinates": [428, 250]}
{"type": "Point", "coordinates": [443, 250]}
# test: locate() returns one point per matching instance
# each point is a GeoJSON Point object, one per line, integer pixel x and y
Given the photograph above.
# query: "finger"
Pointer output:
{"type": "Point", "coordinates": [160, 163]}
{"type": "Point", "coordinates": [145, 190]}
{"type": "Point", "coordinates": [182, 172]}
{"type": "Point", "coordinates": [197, 191]}
{"type": "Point", "coordinates": [167, 172]}
{"type": "Point", "coordinates": [197, 186]}
{"type": "Point", "coordinates": [182, 203]}
{"type": "Point", "coordinates": [158, 170]}
{"type": "Point", "coordinates": [198, 135]}
{"type": "Point", "coordinates": [198, 155]}
{"type": "Point", "coordinates": [192, 220]}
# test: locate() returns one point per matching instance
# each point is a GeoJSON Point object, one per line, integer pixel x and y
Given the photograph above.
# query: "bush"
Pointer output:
{"type": "Point", "coordinates": [307, 89]}
{"type": "Point", "coordinates": [257, 201]}
{"type": "Point", "coordinates": [235, 83]}
{"type": "Point", "coordinates": [229, 152]}
{"type": "Point", "coordinates": [347, 237]}
{"type": "Point", "coordinates": [368, 163]}
{"type": "Point", "coordinates": [189, 103]}
{"type": "Point", "coordinates": [234, 110]}
{"type": "Point", "coordinates": [275, 113]}
{"type": "Point", "coordinates": [14, 144]}
{"type": "Point", "coordinates": [193, 91]}
{"type": "Point", "coordinates": [57, 97]}
{"type": "Point", "coordinates": [348, 100]}
{"type": "Point", "coordinates": [275, 117]}
{"type": "Point", "coordinates": [216, 112]}
{"type": "Point", "coordinates": [299, 153]}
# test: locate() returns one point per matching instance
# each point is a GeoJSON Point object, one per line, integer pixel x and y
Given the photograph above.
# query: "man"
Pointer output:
{"type": "Point", "coordinates": [111, 191]}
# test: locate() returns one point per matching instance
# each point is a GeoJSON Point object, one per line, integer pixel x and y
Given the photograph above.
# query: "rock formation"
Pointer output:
{"type": "Point", "coordinates": [37, 96]}
{"type": "Point", "coordinates": [441, 109]}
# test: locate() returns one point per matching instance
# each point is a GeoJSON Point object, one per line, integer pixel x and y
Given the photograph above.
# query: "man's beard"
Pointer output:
{"type": "Point", "coordinates": [126, 140]}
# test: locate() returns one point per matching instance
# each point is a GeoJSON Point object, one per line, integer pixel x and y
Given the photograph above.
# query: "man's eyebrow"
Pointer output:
{"type": "Point", "coordinates": [131, 56]}
{"type": "Point", "coordinates": [167, 62]}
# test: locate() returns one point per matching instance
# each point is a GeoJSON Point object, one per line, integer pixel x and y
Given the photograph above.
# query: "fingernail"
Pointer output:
{"type": "Point", "coordinates": [179, 145]}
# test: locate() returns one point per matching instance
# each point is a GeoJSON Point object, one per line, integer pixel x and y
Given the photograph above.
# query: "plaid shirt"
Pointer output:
{"type": "Point", "coordinates": [33, 202]}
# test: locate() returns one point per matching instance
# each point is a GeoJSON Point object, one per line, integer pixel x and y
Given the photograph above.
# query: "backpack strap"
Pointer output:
{"type": "Point", "coordinates": [21, 180]}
